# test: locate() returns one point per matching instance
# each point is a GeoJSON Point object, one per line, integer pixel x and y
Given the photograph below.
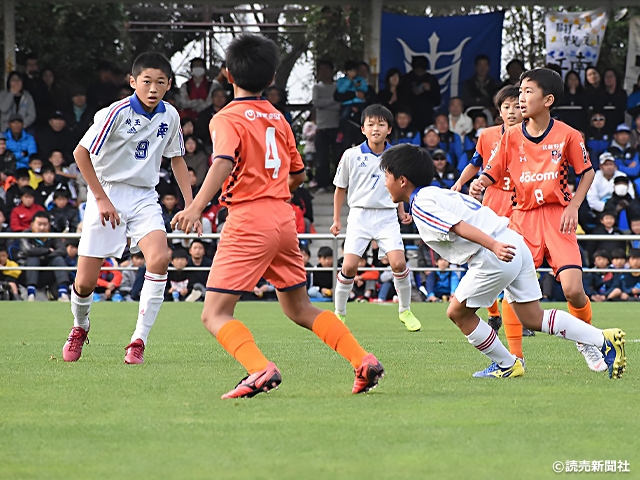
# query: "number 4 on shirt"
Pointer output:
{"type": "Point", "coordinates": [271, 157]}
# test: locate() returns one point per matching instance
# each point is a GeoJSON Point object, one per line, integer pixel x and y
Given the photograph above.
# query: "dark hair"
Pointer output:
{"type": "Point", "coordinates": [41, 214]}
{"type": "Point", "coordinates": [547, 80]}
{"type": "Point", "coordinates": [22, 173]}
{"type": "Point", "coordinates": [350, 65]}
{"type": "Point", "coordinates": [35, 156]}
{"type": "Point", "coordinates": [47, 167]}
{"type": "Point", "coordinates": [441, 114]}
{"type": "Point", "coordinates": [61, 193]}
{"type": "Point", "coordinates": [482, 56]}
{"type": "Point", "coordinates": [27, 190]}
{"type": "Point", "coordinates": [456, 98]}
{"type": "Point", "coordinates": [577, 75]}
{"type": "Point", "coordinates": [390, 73]}
{"type": "Point", "coordinates": [602, 253]}
{"type": "Point", "coordinates": [611, 213]}
{"type": "Point", "coordinates": [180, 253]}
{"type": "Point", "coordinates": [305, 249]}
{"type": "Point", "coordinates": [634, 253]}
{"type": "Point", "coordinates": [327, 62]}
{"type": "Point", "coordinates": [325, 252]}
{"type": "Point", "coordinates": [515, 61]}
{"type": "Point", "coordinates": [506, 92]}
{"type": "Point", "coordinates": [378, 112]}
{"type": "Point", "coordinates": [197, 240]}
{"type": "Point", "coordinates": [137, 255]}
{"type": "Point", "coordinates": [197, 59]}
{"type": "Point", "coordinates": [151, 60]}
{"type": "Point", "coordinates": [615, 74]}
{"type": "Point", "coordinates": [253, 60]}
{"type": "Point", "coordinates": [14, 74]}
{"type": "Point", "coordinates": [72, 242]}
{"type": "Point", "coordinates": [406, 109]}
{"type": "Point", "coordinates": [618, 253]}
{"type": "Point", "coordinates": [363, 63]}
{"type": "Point", "coordinates": [410, 161]}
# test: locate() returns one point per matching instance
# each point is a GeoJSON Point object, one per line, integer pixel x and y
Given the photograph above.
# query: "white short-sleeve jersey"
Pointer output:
{"type": "Point", "coordinates": [435, 210]}
{"type": "Point", "coordinates": [359, 172]}
{"type": "Point", "coordinates": [127, 144]}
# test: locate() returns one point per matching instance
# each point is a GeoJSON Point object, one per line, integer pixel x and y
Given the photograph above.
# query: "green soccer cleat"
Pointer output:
{"type": "Point", "coordinates": [341, 317]}
{"type": "Point", "coordinates": [495, 371]}
{"type": "Point", "coordinates": [613, 351]}
{"type": "Point", "coordinates": [410, 321]}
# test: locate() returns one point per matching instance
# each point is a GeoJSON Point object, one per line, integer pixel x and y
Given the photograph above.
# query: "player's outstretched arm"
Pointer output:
{"type": "Point", "coordinates": [467, 174]}
{"type": "Point", "coordinates": [180, 172]}
{"type": "Point", "coordinates": [106, 209]}
{"type": "Point", "coordinates": [503, 251]}
{"type": "Point", "coordinates": [338, 199]}
{"type": "Point", "coordinates": [218, 173]}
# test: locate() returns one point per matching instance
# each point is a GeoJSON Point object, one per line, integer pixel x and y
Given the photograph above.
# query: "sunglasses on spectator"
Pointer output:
{"type": "Point", "coordinates": [598, 119]}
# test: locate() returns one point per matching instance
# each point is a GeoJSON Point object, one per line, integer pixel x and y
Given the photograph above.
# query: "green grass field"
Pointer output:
{"type": "Point", "coordinates": [99, 418]}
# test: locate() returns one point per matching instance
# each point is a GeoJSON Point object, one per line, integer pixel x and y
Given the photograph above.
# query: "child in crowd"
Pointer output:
{"type": "Point", "coordinates": [602, 286]}
{"type": "Point", "coordinates": [441, 284]}
{"type": "Point", "coordinates": [9, 278]}
{"type": "Point", "coordinates": [22, 214]}
{"type": "Point", "coordinates": [631, 281]}
{"type": "Point", "coordinates": [322, 281]}
{"type": "Point", "coordinates": [179, 285]}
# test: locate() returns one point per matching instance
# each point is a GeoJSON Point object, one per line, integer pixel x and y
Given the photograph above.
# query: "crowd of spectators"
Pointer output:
{"type": "Point", "coordinates": [42, 120]}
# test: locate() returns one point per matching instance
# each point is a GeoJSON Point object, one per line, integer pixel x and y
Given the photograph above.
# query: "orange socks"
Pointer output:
{"type": "Point", "coordinates": [493, 310]}
{"type": "Point", "coordinates": [512, 329]}
{"type": "Point", "coordinates": [583, 313]}
{"type": "Point", "coordinates": [338, 337]}
{"type": "Point", "coordinates": [236, 339]}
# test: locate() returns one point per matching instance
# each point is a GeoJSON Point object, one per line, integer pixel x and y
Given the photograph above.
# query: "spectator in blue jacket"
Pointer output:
{"type": "Point", "coordinates": [450, 142]}
{"type": "Point", "coordinates": [631, 281]}
{"type": "Point", "coordinates": [19, 141]}
{"type": "Point", "coordinates": [352, 83]}
{"type": "Point", "coordinates": [403, 132]}
{"type": "Point", "coordinates": [598, 140]}
{"type": "Point", "coordinates": [445, 175]}
{"type": "Point", "coordinates": [603, 286]}
{"type": "Point", "coordinates": [441, 284]}
{"type": "Point", "coordinates": [625, 154]}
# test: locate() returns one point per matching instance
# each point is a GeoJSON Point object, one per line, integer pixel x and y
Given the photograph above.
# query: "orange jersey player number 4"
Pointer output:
{"type": "Point", "coordinates": [539, 167]}
{"type": "Point", "coordinates": [262, 158]}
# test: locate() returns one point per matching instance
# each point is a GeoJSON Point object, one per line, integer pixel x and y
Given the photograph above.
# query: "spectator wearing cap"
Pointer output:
{"type": "Point", "coordinates": [602, 187]}
{"type": "Point", "coordinates": [16, 100]}
{"type": "Point", "coordinates": [444, 174]}
{"type": "Point", "coordinates": [626, 156]}
{"type": "Point", "coordinates": [21, 215]}
{"type": "Point", "coordinates": [7, 158]}
{"type": "Point", "coordinates": [403, 132]}
{"type": "Point", "coordinates": [621, 200]}
{"type": "Point", "coordinates": [431, 141]}
{"type": "Point", "coordinates": [597, 135]}
{"type": "Point", "coordinates": [21, 143]}
{"type": "Point", "coordinates": [56, 136]}
{"type": "Point", "coordinates": [78, 114]}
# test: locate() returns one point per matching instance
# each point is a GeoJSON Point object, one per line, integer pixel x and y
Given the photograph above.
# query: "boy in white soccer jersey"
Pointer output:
{"type": "Point", "coordinates": [119, 157]}
{"type": "Point", "coordinates": [372, 214]}
{"type": "Point", "coordinates": [461, 230]}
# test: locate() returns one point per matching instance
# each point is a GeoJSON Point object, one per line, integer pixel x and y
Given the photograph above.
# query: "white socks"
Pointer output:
{"type": "Point", "coordinates": [80, 307]}
{"type": "Point", "coordinates": [402, 282]}
{"type": "Point", "coordinates": [564, 325]}
{"type": "Point", "coordinates": [484, 338]}
{"type": "Point", "coordinates": [341, 293]}
{"type": "Point", "coordinates": [151, 298]}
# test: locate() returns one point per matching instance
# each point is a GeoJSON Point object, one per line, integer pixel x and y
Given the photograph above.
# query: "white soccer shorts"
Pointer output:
{"type": "Point", "coordinates": [366, 224]}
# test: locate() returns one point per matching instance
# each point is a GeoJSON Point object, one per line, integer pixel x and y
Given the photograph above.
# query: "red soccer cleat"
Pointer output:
{"type": "Point", "coordinates": [135, 353]}
{"type": "Point", "coordinates": [73, 347]}
{"type": "Point", "coordinates": [368, 374]}
{"type": "Point", "coordinates": [262, 381]}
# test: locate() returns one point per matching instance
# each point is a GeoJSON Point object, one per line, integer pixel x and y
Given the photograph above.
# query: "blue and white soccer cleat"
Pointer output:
{"type": "Point", "coordinates": [495, 371]}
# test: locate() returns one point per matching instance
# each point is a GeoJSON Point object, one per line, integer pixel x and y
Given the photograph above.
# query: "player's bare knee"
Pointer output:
{"type": "Point", "coordinates": [399, 267]}
{"type": "Point", "coordinates": [575, 295]}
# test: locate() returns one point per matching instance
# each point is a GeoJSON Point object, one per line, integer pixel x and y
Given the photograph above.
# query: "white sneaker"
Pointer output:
{"type": "Point", "coordinates": [64, 298]}
{"type": "Point", "coordinates": [194, 296]}
{"type": "Point", "coordinates": [593, 356]}
{"type": "Point", "coordinates": [31, 298]}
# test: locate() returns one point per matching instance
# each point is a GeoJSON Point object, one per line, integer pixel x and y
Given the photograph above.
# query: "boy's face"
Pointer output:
{"type": "Point", "coordinates": [16, 127]}
{"type": "Point", "coordinates": [634, 262]}
{"type": "Point", "coordinates": [431, 139]}
{"type": "Point", "coordinates": [397, 188]}
{"type": "Point", "coordinates": [601, 262]}
{"type": "Point", "coordinates": [48, 177]}
{"type": "Point", "coordinates": [479, 122]}
{"type": "Point", "coordinates": [72, 251]}
{"type": "Point", "coordinates": [403, 120]}
{"type": "Point", "coordinates": [619, 262]}
{"type": "Point", "coordinates": [27, 200]}
{"type": "Point", "coordinates": [196, 250]}
{"type": "Point", "coordinates": [150, 86]}
{"type": "Point", "coordinates": [3, 146]}
{"type": "Point", "coordinates": [376, 130]}
{"type": "Point", "coordinates": [442, 264]}
{"type": "Point", "coordinates": [608, 221]}
{"type": "Point", "coordinates": [635, 226]}
{"type": "Point", "coordinates": [622, 138]}
{"type": "Point", "coordinates": [532, 100]}
{"type": "Point", "coordinates": [351, 74]}
{"type": "Point", "coordinates": [510, 112]}
{"type": "Point", "coordinates": [35, 165]}
{"type": "Point", "coordinates": [179, 262]}
{"type": "Point", "coordinates": [79, 100]}
{"type": "Point", "coordinates": [61, 202]}
{"type": "Point", "coordinates": [169, 201]}
{"type": "Point", "coordinates": [325, 261]}
{"type": "Point", "coordinates": [3, 257]}
{"type": "Point", "coordinates": [23, 181]}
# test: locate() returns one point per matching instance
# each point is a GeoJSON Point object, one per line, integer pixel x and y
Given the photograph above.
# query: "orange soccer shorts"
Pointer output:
{"type": "Point", "coordinates": [498, 200]}
{"type": "Point", "coordinates": [258, 240]}
{"type": "Point", "coordinates": [540, 228]}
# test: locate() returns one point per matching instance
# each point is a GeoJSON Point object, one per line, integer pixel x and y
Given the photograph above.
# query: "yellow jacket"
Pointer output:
{"type": "Point", "coordinates": [11, 273]}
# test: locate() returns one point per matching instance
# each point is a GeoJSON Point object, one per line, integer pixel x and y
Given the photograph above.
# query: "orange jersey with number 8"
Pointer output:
{"type": "Point", "coordinates": [539, 167]}
{"type": "Point", "coordinates": [256, 137]}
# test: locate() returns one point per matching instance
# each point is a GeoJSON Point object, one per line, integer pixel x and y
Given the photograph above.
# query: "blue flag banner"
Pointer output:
{"type": "Point", "coordinates": [450, 45]}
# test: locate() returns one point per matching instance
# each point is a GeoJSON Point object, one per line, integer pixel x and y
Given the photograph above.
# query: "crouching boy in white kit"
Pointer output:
{"type": "Point", "coordinates": [461, 230]}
